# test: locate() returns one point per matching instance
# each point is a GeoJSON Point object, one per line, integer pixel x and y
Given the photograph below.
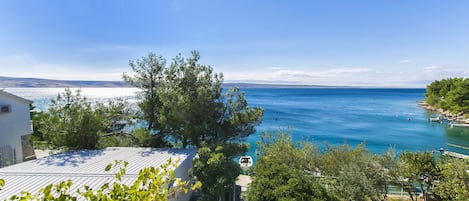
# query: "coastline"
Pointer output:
{"type": "Point", "coordinates": [458, 118]}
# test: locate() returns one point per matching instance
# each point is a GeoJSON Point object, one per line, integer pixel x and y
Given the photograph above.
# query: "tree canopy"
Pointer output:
{"type": "Point", "coordinates": [185, 104]}
{"type": "Point", "coordinates": [283, 172]}
{"type": "Point", "coordinates": [73, 122]}
{"type": "Point", "coordinates": [453, 184]}
{"type": "Point", "coordinates": [288, 170]}
{"type": "Point", "coordinates": [450, 94]}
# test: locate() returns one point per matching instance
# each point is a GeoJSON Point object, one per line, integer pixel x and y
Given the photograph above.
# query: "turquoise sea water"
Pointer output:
{"type": "Point", "coordinates": [381, 118]}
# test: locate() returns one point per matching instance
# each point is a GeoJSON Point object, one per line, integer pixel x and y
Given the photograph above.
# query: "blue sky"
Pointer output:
{"type": "Point", "coordinates": [328, 42]}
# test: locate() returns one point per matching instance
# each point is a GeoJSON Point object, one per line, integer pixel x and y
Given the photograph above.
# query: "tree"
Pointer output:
{"type": "Point", "coordinates": [148, 75]}
{"type": "Point", "coordinates": [216, 169]}
{"type": "Point", "coordinates": [357, 174]}
{"type": "Point", "coordinates": [195, 109]}
{"type": "Point", "coordinates": [37, 117]}
{"type": "Point", "coordinates": [71, 122]}
{"type": "Point", "coordinates": [454, 180]}
{"type": "Point", "coordinates": [449, 94]}
{"type": "Point", "coordinates": [420, 168]}
{"type": "Point", "coordinates": [184, 104]}
{"type": "Point", "coordinates": [285, 171]}
{"type": "Point", "coordinates": [116, 114]}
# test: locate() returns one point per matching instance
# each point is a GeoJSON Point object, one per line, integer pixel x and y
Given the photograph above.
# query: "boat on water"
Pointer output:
{"type": "Point", "coordinates": [438, 119]}
{"type": "Point", "coordinates": [245, 162]}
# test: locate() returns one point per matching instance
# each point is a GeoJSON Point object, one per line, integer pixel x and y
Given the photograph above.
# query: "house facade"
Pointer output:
{"type": "Point", "coordinates": [15, 124]}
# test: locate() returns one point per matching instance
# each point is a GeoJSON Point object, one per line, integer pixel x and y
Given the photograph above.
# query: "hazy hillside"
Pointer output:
{"type": "Point", "coordinates": [12, 82]}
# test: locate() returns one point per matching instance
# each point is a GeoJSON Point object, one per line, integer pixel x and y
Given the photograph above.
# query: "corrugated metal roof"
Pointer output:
{"type": "Point", "coordinates": [84, 167]}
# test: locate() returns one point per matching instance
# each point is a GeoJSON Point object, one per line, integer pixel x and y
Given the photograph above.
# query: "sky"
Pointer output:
{"type": "Point", "coordinates": [393, 43]}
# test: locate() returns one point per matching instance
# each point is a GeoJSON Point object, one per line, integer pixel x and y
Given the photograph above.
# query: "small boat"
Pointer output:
{"type": "Point", "coordinates": [438, 119]}
{"type": "Point", "coordinates": [245, 162]}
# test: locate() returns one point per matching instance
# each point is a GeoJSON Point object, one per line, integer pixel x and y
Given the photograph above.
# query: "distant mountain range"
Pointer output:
{"type": "Point", "coordinates": [13, 82]}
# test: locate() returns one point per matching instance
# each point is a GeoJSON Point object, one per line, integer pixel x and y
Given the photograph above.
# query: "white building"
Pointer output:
{"type": "Point", "coordinates": [86, 167]}
{"type": "Point", "coordinates": [15, 122]}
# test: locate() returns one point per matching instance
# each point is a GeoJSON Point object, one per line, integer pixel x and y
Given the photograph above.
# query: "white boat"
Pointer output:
{"type": "Point", "coordinates": [245, 162]}
{"type": "Point", "coordinates": [438, 119]}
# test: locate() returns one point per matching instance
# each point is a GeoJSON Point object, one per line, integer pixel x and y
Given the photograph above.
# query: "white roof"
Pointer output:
{"type": "Point", "coordinates": [4, 93]}
{"type": "Point", "coordinates": [84, 167]}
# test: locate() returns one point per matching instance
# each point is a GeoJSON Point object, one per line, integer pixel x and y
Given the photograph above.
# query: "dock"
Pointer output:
{"type": "Point", "coordinates": [456, 155]}
{"type": "Point", "coordinates": [460, 125]}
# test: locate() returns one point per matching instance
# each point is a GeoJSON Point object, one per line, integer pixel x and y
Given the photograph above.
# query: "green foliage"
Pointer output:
{"type": "Point", "coordinates": [116, 114]}
{"type": "Point", "coordinates": [152, 184]}
{"type": "Point", "coordinates": [117, 140]}
{"type": "Point", "coordinates": [418, 167]}
{"type": "Point", "coordinates": [143, 137]}
{"type": "Point", "coordinates": [283, 172]}
{"type": "Point", "coordinates": [449, 94]}
{"type": "Point", "coordinates": [359, 174]}
{"type": "Point", "coordinates": [289, 171]}
{"type": "Point", "coordinates": [38, 124]}
{"type": "Point", "coordinates": [52, 192]}
{"type": "Point", "coordinates": [185, 102]}
{"type": "Point", "coordinates": [72, 122]}
{"type": "Point", "coordinates": [147, 76]}
{"type": "Point", "coordinates": [216, 169]}
{"type": "Point", "coordinates": [454, 180]}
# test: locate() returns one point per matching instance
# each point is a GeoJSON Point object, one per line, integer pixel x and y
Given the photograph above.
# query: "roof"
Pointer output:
{"type": "Point", "coordinates": [84, 167]}
{"type": "Point", "coordinates": [2, 92]}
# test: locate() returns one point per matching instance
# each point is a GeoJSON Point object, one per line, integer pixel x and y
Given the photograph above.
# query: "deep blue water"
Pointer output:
{"type": "Point", "coordinates": [381, 118]}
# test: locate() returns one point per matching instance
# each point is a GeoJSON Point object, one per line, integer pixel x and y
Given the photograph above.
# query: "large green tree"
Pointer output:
{"type": "Point", "coordinates": [420, 168]}
{"type": "Point", "coordinates": [358, 174]}
{"type": "Point", "coordinates": [71, 122]}
{"type": "Point", "coordinates": [147, 76]}
{"type": "Point", "coordinates": [216, 168]}
{"type": "Point", "coordinates": [185, 102]}
{"type": "Point", "coordinates": [286, 171]}
{"type": "Point", "coordinates": [450, 94]}
{"type": "Point", "coordinates": [195, 109]}
{"type": "Point", "coordinates": [453, 183]}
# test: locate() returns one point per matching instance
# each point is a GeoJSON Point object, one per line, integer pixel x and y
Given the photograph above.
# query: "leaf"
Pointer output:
{"type": "Point", "coordinates": [108, 167]}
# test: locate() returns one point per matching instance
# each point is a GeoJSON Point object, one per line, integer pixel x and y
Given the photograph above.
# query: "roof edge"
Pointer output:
{"type": "Point", "coordinates": [15, 96]}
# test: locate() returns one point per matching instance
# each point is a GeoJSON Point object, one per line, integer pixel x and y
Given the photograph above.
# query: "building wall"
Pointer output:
{"type": "Point", "coordinates": [182, 172]}
{"type": "Point", "coordinates": [14, 124]}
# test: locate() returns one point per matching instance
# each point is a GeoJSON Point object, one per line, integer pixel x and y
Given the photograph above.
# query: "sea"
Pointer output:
{"type": "Point", "coordinates": [381, 118]}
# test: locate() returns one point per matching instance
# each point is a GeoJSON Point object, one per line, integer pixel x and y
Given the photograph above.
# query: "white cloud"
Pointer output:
{"type": "Point", "coordinates": [404, 61]}
{"type": "Point", "coordinates": [349, 76]}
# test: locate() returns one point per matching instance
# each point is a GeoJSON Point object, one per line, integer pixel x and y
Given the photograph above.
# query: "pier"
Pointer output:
{"type": "Point", "coordinates": [460, 125]}
{"type": "Point", "coordinates": [456, 155]}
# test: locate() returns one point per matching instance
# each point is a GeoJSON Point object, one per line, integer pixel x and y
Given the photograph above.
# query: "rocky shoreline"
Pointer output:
{"type": "Point", "coordinates": [458, 118]}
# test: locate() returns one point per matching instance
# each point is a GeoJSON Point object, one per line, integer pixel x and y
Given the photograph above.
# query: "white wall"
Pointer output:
{"type": "Point", "coordinates": [182, 172]}
{"type": "Point", "coordinates": [15, 123]}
